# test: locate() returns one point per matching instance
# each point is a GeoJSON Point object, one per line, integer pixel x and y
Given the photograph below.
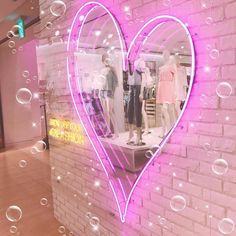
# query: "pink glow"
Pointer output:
{"type": "Point", "coordinates": [70, 69]}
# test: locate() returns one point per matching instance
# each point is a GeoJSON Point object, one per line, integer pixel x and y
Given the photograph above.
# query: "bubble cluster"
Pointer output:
{"type": "Point", "coordinates": [220, 167]}
{"type": "Point", "coordinates": [13, 213]}
{"type": "Point", "coordinates": [226, 226]}
{"type": "Point", "coordinates": [178, 203]}
{"type": "Point", "coordinates": [23, 96]}
{"type": "Point", "coordinates": [58, 8]}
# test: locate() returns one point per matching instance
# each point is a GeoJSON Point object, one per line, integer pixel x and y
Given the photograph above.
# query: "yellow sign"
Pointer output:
{"type": "Point", "coordinates": [66, 130]}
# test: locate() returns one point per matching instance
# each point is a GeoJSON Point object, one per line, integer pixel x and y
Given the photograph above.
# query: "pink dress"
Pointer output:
{"type": "Point", "coordinates": [166, 85]}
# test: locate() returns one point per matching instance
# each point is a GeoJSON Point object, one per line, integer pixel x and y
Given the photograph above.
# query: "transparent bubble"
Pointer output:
{"type": "Point", "coordinates": [94, 221]}
{"type": "Point", "coordinates": [162, 221]}
{"type": "Point", "coordinates": [35, 77]}
{"type": "Point", "coordinates": [149, 154]}
{"type": "Point", "coordinates": [22, 163]}
{"type": "Point", "coordinates": [14, 51]}
{"type": "Point", "coordinates": [44, 201]}
{"type": "Point", "coordinates": [15, 30]}
{"type": "Point", "coordinates": [23, 96]}
{"type": "Point", "coordinates": [25, 73]}
{"type": "Point", "coordinates": [62, 229]}
{"type": "Point", "coordinates": [34, 150]}
{"type": "Point", "coordinates": [71, 234]}
{"type": "Point", "coordinates": [48, 25]}
{"type": "Point", "coordinates": [13, 213]}
{"type": "Point", "coordinates": [226, 226]}
{"type": "Point", "coordinates": [155, 148]}
{"type": "Point", "coordinates": [13, 229]}
{"type": "Point", "coordinates": [20, 48]}
{"type": "Point", "coordinates": [220, 167]}
{"type": "Point", "coordinates": [208, 47]}
{"type": "Point", "coordinates": [11, 44]}
{"type": "Point", "coordinates": [88, 215]}
{"type": "Point", "coordinates": [40, 146]}
{"type": "Point", "coordinates": [28, 81]}
{"type": "Point", "coordinates": [214, 54]}
{"type": "Point", "coordinates": [207, 146]}
{"type": "Point", "coordinates": [209, 20]}
{"type": "Point", "coordinates": [167, 3]}
{"type": "Point", "coordinates": [177, 203]}
{"type": "Point", "coordinates": [224, 90]}
{"type": "Point", "coordinates": [10, 34]}
{"type": "Point", "coordinates": [58, 8]}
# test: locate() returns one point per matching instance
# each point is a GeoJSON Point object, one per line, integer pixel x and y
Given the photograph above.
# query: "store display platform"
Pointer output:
{"type": "Point", "coordinates": [129, 157]}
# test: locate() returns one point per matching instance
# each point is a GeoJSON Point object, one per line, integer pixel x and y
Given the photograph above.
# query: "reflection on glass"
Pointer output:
{"type": "Point", "coordinates": [132, 111]}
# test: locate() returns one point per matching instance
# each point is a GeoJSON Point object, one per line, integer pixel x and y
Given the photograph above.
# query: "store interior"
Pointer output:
{"type": "Point", "coordinates": [132, 107]}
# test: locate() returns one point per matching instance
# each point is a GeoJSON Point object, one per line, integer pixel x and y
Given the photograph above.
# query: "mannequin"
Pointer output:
{"type": "Point", "coordinates": [181, 85]}
{"type": "Point", "coordinates": [166, 93]}
{"type": "Point", "coordinates": [110, 83]}
{"type": "Point", "coordinates": [147, 84]}
{"type": "Point", "coordinates": [135, 102]}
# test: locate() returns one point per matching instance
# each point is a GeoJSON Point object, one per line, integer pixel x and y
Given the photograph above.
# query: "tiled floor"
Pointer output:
{"type": "Point", "coordinates": [25, 187]}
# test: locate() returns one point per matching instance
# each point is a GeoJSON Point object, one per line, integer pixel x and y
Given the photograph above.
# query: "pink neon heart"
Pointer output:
{"type": "Point", "coordinates": [122, 202]}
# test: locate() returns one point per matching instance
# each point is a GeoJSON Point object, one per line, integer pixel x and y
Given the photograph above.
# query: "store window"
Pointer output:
{"type": "Point", "coordinates": [132, 105]}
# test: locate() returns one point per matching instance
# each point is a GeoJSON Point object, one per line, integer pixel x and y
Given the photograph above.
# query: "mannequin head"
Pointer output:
{"type": "Point", "coordinates": [166, 56]}
{"type": "Point", "coordinates": [106, 60]}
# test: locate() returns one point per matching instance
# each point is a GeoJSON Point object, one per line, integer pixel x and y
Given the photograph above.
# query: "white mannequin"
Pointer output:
{"type": "Point", "coordinates": [108, 101]}
{"type": "Point", "coordinates": [168, 116]}
{"type": "Point", "coordinates": [181, 85]}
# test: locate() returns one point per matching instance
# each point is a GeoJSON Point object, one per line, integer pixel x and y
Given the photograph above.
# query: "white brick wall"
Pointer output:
{"type": "Point", "coordinates": [207, 195]}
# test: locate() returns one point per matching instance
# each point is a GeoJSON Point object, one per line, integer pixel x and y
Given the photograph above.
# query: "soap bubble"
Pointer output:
{"type": "Point", "coordinates": [13, 229]}
{"type": "Point", "coordinates": [48, 25]}
{"type": "Point", "coordinates": [88, 215]}
{"type": "Point", "coordinates": [214, 54]}
{"type": "Point", "coordinates": [62, 229]}
{"type": "Point", "coordinates": [94, 222]}
{"type": "Point", "coordinates": [10, 34]}
{"type": "Point", "coordinates": [220, 167]}
{"type": "Point", "coordinates": [25, 73]}
{"type": "Point", "coordinates": [209, 20]}
{"type": "Point", "coordinates": [167, 3]}
{"type": "Point", "coordinates": [23, 96]}
{"type": "Point", "coordinates": [14, 51]}
{"type": "Point", "coordinates": [15, 30]}
{"type": "Point", "coordinates": [224, 90]}
{"type": "Point", "coordinates": [226, 226]}
{"type": "Point", "coordinates": [207, 146]}
{"type": "Point", "coordinates": [11, 44]}
{"type": "Point", "coordinates": [22, 163]}
{"type": "Point", "coordinates": [13, 213]}
{"type": "Point", "coordinates": [58, 8]}
{"type": "Point", "coordinates": [40, 146]}
{"type": "Point", "coordinates": [44, 201]}
{"type": "Point", "coordinates": [149, 154]}
{"type": "Point", "coordinates": [177, 203]}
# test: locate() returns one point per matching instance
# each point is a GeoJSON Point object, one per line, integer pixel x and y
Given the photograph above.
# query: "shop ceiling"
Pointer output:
{"type": "Point", "coordinates": [11, 10]}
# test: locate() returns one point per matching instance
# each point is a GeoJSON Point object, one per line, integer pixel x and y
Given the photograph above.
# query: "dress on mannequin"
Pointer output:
{"type": "Point", "coordinates": [166, 93]}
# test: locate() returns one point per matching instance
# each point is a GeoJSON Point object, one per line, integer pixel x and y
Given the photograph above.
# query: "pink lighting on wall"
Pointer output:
{"type": "Point", "coordinates": [72, 47]}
